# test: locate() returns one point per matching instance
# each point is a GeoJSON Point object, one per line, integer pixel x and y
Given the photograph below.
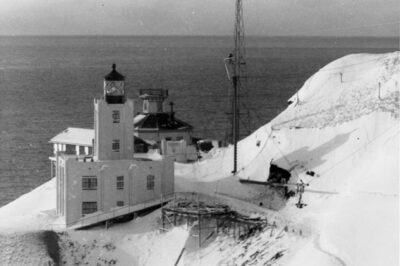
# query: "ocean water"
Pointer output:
{"type": "Point", "coordinates": [48, 84]}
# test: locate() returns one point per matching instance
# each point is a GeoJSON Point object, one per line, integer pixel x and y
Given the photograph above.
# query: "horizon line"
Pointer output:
{"type": "Point", "coordinates": [198, 35]}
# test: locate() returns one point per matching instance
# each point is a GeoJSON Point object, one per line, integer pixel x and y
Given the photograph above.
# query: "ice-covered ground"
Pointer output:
{"type": "Point", "coordinates": [343, 125]}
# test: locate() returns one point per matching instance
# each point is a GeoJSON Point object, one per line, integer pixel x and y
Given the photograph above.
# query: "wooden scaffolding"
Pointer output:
{"type": "Point", "coordinates": [208, 218]}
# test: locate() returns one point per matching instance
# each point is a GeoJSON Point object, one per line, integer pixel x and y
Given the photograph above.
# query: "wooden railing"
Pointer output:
{"type": "Point", "coordinates": [95, 218]}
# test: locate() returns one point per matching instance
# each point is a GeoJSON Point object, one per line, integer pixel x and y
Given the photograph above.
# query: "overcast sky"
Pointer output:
{"type": "Point", "coordinates": [199, 17]}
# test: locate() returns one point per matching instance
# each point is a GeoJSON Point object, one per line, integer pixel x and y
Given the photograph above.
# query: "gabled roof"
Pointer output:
{"type": "Point", "coordinates": [74, 136]}
{"type": "Point", "coordinates": [160, 121]}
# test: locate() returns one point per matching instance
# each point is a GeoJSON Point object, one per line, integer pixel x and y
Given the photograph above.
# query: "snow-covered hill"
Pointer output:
{"type": "Point", "coordinates": [343, 125]}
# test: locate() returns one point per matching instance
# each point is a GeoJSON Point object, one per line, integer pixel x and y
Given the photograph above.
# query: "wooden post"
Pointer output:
{"type": "Point", "coordinates": [379, 91]}
{"type": "Point", "coordinates": [234, 230]}
{"type": "Point", "coordinates": [199, 224]}
{"type": "Point", "coordinates": [162, 218]}
{"type": "Point", "coordinates": [272, 228]}
{"type": "Point", "coordinates": [174, 200]}
{"type": "Point", "coordinates": [198, 218]}
{"type": "Point", "coordinates": [51, 169]}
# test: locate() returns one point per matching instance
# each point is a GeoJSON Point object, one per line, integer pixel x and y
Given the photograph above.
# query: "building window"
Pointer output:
{"type": "Point", "coordinates": [120, 182]}
{"type": "Point", "coordinates": [179, 138]}
{"type": "Point", "coordinates": [150, 182]}
{"type": "Point", "coordinates": [168, 138]}
{"type": "Point", "coordinates": [115, 145]}
{"type": "Point", "coordinates": [115, 116]}
{"type": "Point", "coordinates": [70, 149]}
{"type": "Point", "coordinates": [89, 207]}
{"type": "Point", "coordinates": [89, 183]}
{"type": "Point", "coordinates": [120, 203]}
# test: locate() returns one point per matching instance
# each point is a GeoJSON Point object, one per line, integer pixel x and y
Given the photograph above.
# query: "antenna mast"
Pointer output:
{"type": "Point", "coordinates": [237, 61]}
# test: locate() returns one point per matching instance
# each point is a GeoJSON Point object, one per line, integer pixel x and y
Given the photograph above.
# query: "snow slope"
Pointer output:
{"type": "Point", "coordinates": [343, 125]}
{"type": "Point", "coordinates": [33, 211]}
{"type": "Point", "coordinates": [132, 243]}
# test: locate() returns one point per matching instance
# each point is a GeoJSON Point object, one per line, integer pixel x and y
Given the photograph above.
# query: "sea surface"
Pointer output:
{"type": "Point", "coordinates": [48, 84]}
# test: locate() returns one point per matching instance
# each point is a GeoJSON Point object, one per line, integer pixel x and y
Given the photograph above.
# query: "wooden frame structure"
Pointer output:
{"type": "Point", "coordinates": [208, 218]}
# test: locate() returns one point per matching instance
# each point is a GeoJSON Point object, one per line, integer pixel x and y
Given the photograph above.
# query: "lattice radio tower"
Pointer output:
{"type": "Point", "coordinates": [237, 74]}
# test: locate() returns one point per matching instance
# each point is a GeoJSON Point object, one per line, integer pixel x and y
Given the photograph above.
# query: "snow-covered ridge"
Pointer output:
{"type": "Point", "coordinates": [325, 102]}
{"type": "Point", "coordinates": [346, 89]}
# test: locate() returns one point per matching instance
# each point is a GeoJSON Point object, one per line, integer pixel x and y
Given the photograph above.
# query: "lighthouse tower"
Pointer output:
{"type": "Point", "coordinates": [113, 116]}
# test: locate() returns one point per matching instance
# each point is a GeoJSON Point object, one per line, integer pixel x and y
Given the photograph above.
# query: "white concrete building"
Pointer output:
{"type": "Point", "coordinates": [110, 183]}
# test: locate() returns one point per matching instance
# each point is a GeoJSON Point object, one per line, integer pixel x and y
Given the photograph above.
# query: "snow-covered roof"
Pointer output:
{"type": "Point", "coordinates": [138, 118]}
{"type": "Point", "coordinates": [160, 121]}
{"type": "Point", "coordinates": [75, 136]}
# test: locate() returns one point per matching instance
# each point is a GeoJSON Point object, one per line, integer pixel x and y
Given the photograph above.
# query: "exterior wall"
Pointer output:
{"type": "Point", "coordinates": [179, 150]}
{"type": "Point", "coordinates": [168, 174]}
{"type": "Point", "coordinates": [61, 187]}
{"type": "Point", "coordinates": [106, 131]}
{"type": "Point", "coordinates": [106, 195]}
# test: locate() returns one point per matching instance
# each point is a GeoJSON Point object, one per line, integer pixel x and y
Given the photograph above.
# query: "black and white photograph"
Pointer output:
{"type": "Point", "coordinates": [199, 132]}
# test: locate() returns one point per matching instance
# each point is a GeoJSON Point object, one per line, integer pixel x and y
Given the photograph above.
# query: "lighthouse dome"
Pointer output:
{"type": "Point", "coordinates": [114, 75]}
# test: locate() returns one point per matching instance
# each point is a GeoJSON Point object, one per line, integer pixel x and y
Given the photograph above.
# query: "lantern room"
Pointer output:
{"type": "Point", "coordinates": [114, 87]}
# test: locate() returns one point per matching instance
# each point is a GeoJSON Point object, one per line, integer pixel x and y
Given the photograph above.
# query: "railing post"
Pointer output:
{"type": "Point", "coordinates": [272, 228]}
{"type": "Point", "coordinates": [199, 218]}
{"type": "Point", "coordinates": [379, 91]}
{"type": "Point", "coordinates": [163, 218]}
